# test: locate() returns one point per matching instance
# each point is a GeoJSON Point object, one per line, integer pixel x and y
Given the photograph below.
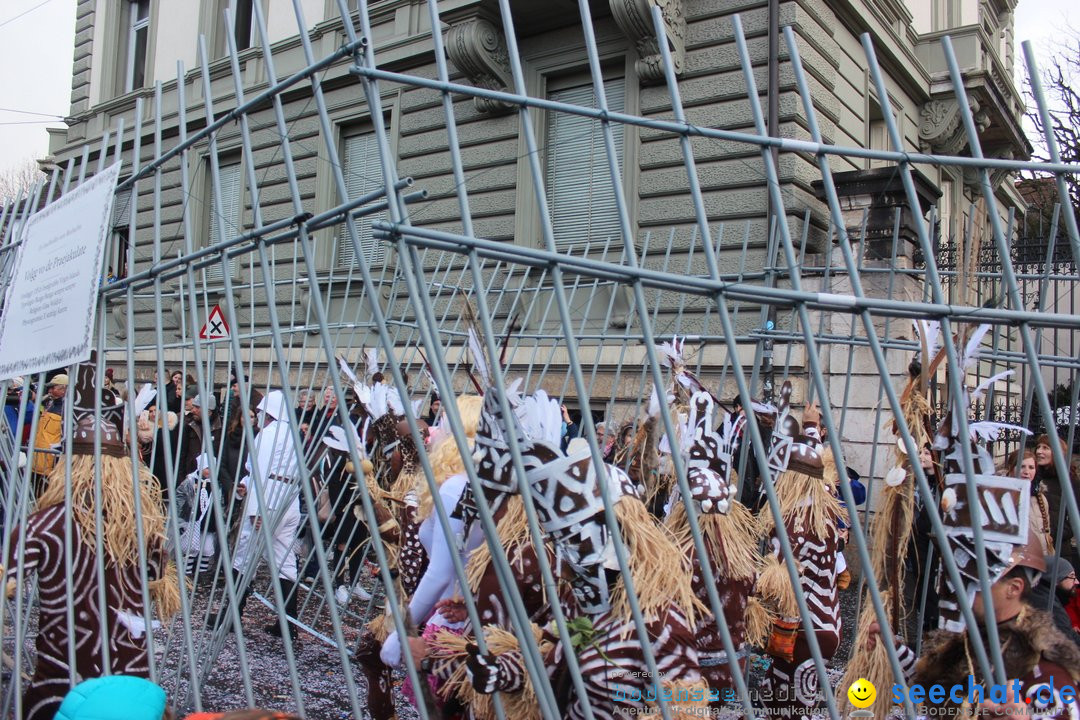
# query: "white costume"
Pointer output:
{"type": "Point", "coordinates": [439, 581]}
{"type": "Point", "coordinates": [274, 484]}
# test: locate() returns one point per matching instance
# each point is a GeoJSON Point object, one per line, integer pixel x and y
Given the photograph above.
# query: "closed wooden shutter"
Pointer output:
{"type": "Point", "coordinates": [360, 161]}
{"type": "Point", "coordinates": [579, 191]}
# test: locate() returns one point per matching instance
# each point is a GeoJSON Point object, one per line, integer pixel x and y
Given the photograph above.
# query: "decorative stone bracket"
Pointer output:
{"type": "Point", "coordinates": [634, 18]}
{"type": "Point", "coordinates": [478, 48]}
{"type": "Point", "coordinates": [941, 128]}
{"type": "Point", "coordinates": [941, 131]}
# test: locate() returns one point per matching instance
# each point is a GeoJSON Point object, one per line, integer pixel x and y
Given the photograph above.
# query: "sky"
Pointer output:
{"type": "Point", "coordinates": [37, 41]}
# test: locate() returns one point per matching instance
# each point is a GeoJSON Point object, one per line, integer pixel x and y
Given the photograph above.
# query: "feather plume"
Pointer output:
{"type": "Point", "coordinates": [431, 381]}
{"type": "Point", "coordinates": [513, 393]}
{"type": "Point", "coordinates": [672, 353]}
{"type": "Point", "coordinates": [760, 408]}
{"type": "Point", "coordinates": [972, 349]}
{"type": "Point", "coordinates": [478, 355]}
{"type": "Point", "coordinates": [379, 404]}
{"type": "Point", "coordinates": [146, 394]}
{"type": "Point", "coordinates": [347, 371]}
{"type": "Point", "coordinates": [372, 357]}
{"type": "Point", "coordinates": [363, 395]}
{"type": "Point", "coordinates": [654, 403]}
{"type": "Point", "coordinates": [929, 332]}
{"type": "Point", "coordinates": [540, 418]}
{"type": "Point", "coordinates": [989, 431]}
{"type": "Point", "coordinates": [978, 393]}
{"type": "Point", "coordinates": [395, 401]}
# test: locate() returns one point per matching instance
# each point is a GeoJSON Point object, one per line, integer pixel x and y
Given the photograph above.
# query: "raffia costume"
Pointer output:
{"type": "Point", "coordinates": [728, 532]}
{"type": "Point", "coordinates": [566, 493]}
{"type": "Point", "coordinates": [1034, 651]}
{"type": "Point", "coordinates": [42, 552]}
{"type": "Point", "coordinates": [805, 487]}
{"type": "Point", "coordinates": [495, 471]}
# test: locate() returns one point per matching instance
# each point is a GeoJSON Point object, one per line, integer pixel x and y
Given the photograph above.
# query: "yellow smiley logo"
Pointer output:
{"type": "Point", "coordinates": [861, 694]}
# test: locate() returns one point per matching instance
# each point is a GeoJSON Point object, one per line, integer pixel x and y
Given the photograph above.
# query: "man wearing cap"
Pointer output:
{"type": "Point", "coordinates": [50, 430]}
{"type": "Point", "coordinates": [11, 408]}
{"type": "Point", "coordinates": [272, 496]}
{"type": "Point", "coordinates": [55, 389]}
{"type": "Point", "coordinates": [193, 427]}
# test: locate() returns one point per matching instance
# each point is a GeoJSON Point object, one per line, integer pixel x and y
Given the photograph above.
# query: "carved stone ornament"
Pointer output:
{"type": "Point", "coordinates": [634, 18]}
{"type": "Point", "coordinates": [941, 128]}
{"type": "Point", "coordinates": [478, 49]}
{"type": "Point", "coordinates": [973, 178]}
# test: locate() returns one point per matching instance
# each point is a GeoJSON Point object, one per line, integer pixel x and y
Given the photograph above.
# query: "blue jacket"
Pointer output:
{"type": "Point", "coordinates": [117, 697]}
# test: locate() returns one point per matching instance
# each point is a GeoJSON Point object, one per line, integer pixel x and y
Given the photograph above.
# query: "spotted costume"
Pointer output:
{"type": "Point", "coordinates": [727, 532]}
{"type": "Point", "coordinates": [566, 492]}
{"type": "Point", "coordinates": [805, 489]}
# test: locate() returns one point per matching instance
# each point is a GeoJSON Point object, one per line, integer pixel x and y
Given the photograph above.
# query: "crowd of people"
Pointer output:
{"type": "Point", "coordinates": [708, 599]}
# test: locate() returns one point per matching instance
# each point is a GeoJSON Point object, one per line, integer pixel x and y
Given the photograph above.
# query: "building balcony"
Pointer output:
{"type": "Point", "coordinates": [996, 104]}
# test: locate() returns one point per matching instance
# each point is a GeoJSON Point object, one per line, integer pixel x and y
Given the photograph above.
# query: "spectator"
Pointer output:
{"type": "Point", "coordinates": [191, 439]}
{"type": "Point", "coordinates": [321, 422]}
{"type": "Point", "coordinates": [145, 426]}
{"type": "Point", "coordinates": [168, 426]}
{"type": "Point", "coordinates": [306, 410]}
{"type": "Point", "coordinates": [50, 430]}
{"type": "Point", "coordinates": [604, 439]}
{"type": "Point", "coordinates": [1050, 484]}
{"type": "Point", "coordinates": [569, 428]}
{"type": "Point", "coordinates": [55, 390]}
{"type": "Point", "coordinates": [230, 400]}
{"type": "Point", "coordinates": [1052, 593]}
{"type": "Point", "coordinates": [11, 410]}
{"type": "Point", "coordinates": [1040, 508]}
{"type": "Point", "coordinates": [434, 408]}
{"type": "Point", "coordinates": [922, 558]}
{"type": "Point", "coordinates": [174, 392]}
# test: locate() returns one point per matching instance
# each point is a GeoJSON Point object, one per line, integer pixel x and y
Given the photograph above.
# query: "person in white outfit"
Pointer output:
{"type": "Point", "coordinates": [439, 583]}
{"type": "Point", "coordinates": [271, 491]}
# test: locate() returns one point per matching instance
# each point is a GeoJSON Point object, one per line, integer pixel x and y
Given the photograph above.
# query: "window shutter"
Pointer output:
{"type": "Point", "coordinates": [121, 213]}
{"type": "Point", "coordinates": [227, 227]}
{"type": "Point", "coordinates": [579, 191]}
{"type": "Point", "coordinates": [360, 160]}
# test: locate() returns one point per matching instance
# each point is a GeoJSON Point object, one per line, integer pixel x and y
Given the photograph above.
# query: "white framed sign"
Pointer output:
{"type": "Point", "coordinates": [51, 304]}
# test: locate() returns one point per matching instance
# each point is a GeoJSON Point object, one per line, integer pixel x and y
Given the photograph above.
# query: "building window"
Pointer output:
{"type": "Point", "coordinates": [117, 256]}
{"type": "Point", "coordinates": [947, 210]}
{"type": "Point", "coordinates": [363, 175]}
{"type": "Point", "coordinates": [137, 23]}
{"type": "Point", "coordinates": [243, 27]}
{"type": "Point", "coordinates": [580, 195]}
{"type": "Point", "coordinates": [229, 224]}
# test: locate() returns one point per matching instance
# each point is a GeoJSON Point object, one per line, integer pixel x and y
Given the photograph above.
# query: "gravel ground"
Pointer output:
{"type": "Point", "coordinates": [320, 672]}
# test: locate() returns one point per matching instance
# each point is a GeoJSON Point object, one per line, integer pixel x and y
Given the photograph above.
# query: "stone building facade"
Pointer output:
{"type": "Point", "coordinates": [124, 47]}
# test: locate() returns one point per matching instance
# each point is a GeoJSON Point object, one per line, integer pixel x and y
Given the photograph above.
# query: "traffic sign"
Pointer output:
{"type": "Point", "coordinates": [215, 328]}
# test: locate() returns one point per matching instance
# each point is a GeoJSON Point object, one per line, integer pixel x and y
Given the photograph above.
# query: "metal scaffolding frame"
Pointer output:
{"type": "Point", "coordinates": [583, 322]}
